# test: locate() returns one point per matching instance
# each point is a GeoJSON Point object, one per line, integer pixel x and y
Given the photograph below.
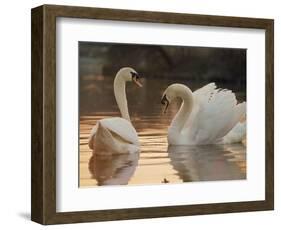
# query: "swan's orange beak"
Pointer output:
{"type": "Point", "coordinates": [138, 83]}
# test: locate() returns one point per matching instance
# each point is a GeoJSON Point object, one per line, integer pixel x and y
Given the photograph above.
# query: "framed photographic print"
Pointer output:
{"type": "Point", "coordinates": [141, 114]}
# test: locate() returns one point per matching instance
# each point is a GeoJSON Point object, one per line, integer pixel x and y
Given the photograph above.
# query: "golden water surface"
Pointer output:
{"type": "Point", "coordinates": [158, 163]}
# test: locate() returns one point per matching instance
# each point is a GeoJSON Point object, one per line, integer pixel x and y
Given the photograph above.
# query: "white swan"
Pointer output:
{"type": "Point", "coordinates": [117, 135]}
{"type": "Point", "coordinates": [207, 116]}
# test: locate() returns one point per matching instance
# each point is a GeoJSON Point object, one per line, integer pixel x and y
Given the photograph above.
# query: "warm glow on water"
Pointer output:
{"type": "Point", "coordinates": [157, 163]}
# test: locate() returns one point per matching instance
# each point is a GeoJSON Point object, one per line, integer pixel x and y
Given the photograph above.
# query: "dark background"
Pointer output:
{"type": "Point", "coordinates": [160, 66]}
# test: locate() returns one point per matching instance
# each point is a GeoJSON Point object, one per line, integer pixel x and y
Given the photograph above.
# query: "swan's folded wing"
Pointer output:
{"type": "Point", "coordinates": [216, 114]}
{"type": "Point", "coordinates": [120, 127]}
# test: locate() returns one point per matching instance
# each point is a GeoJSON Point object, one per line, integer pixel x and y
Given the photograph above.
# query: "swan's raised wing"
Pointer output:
{"type": "Point", "coordinates": [205, 92]}
{"type": "Point", "coordinates": [120, 127]}
{"type": "Point", "coordinates": [216, 112]}
{"type": "Point", "coordinates": [199, 96]}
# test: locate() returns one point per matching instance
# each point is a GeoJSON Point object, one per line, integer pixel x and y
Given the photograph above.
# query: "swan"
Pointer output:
{"type": "Point", "coordinates": [117, 135]}
{"type": "Point", "coordinates": [207, 116]}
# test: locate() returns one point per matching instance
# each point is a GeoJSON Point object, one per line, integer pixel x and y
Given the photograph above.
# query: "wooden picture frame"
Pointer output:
{"type": "Point", "coordinates": [43, 189]}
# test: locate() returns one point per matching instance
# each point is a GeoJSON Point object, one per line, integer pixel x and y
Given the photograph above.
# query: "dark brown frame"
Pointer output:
{"type": "Point", "coordinates": [43, 188]}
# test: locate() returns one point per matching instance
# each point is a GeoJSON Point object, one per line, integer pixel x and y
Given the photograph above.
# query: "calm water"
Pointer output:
{"type": "Point", "coordinates": [156, 163]}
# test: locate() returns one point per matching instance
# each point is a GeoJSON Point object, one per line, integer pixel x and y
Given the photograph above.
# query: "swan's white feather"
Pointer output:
{"type": "Point", "coordinates": [214, 114]}
{"type": "Point", "coordinates": [237, 134]}
{"type": "Point", "coordinates": [116, 135]}
{"type": "Point", "coordinates": [119, 126]}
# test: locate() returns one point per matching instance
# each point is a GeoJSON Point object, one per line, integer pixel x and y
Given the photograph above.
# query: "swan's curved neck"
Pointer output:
{"type": "Point", "coordinates": [184, 112]}
{"type": "Point", "coordinates": [120, 96]}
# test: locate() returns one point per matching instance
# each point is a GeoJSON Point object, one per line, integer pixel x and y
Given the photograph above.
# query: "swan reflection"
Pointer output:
{"type": "Point", "coordinates": [113, 169]}
{"type": "Point", "coordinates": [209, 162]}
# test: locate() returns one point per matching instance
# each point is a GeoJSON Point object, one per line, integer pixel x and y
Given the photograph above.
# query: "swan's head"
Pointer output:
{"type": "Point", "coordinates": [129, 74]}
{"type": "Point", "coordinates": [175, 91]}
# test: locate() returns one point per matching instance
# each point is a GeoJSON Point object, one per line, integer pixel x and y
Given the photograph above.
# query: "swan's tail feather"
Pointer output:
{"type": "Point", "coordinates": [237, 134]}
{"type": "Point", "coordinates": [238, 113]}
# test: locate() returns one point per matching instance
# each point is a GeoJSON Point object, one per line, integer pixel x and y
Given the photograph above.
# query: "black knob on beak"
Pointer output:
{"type": "Point", "coordinates": [164, 100]}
